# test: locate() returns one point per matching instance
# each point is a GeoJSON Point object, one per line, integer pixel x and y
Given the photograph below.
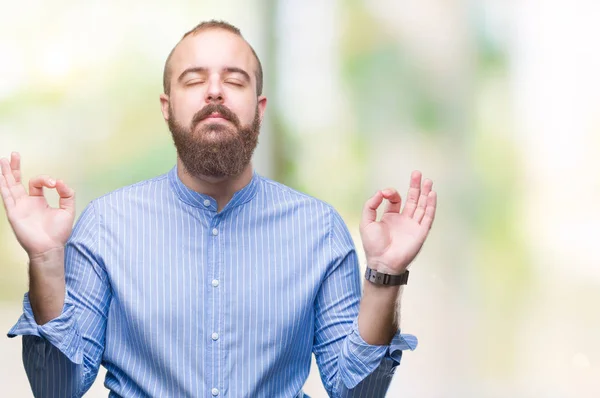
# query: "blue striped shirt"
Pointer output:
{"type": "Point", "coordinates": [176, 299]}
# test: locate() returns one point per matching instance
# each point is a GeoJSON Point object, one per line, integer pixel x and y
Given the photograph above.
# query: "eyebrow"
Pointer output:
{"type": "Point", "coordinates": [201, 69]}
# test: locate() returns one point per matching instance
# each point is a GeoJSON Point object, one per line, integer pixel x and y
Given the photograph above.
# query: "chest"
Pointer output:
{"type": "Point", "coordinates": [211, 276]}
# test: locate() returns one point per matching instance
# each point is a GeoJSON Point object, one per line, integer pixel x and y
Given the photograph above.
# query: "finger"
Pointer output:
{"type": "Point", "coordinates": [369, 213]}
{"type": "Point", "coordinates": [37, 184]}
{"type": "Point", "coordinates": [7, 173]}
{"type": "Point", "coordinates": [394, 200]}
{"type": "Point", "coordinates": [414, 191]}
{"type": "Point", "coordinates": [16, 190]}
{"type": "Point", "coordinates": [66, 195]}
{"type": "Point", "coordinates": [430, 210]}
{"type": "Point", "coordinates": [15, 165]}
{"type": "Point", "coordinates": [7, 199]}
{"type": "Point", "coordinates": [422, 203]}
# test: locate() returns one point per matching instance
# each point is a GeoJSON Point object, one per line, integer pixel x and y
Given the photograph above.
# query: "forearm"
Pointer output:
{"type": "Point", "coordinates": [47, 285]}
{"type": "Point", "coordinates": [378, 319]}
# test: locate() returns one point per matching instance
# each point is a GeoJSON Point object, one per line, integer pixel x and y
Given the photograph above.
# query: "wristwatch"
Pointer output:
{"type": "Point", "coordinates": [379, 278]}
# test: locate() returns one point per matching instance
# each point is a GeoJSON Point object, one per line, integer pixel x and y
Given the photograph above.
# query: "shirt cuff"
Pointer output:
{"type": "Point", "coordinates": [359, 359]}
{"type": "Point", "coordinates": [62, 332]}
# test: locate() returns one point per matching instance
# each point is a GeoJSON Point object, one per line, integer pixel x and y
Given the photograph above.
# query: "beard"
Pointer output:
{"type": "Point", "coordinates": [215, 149]}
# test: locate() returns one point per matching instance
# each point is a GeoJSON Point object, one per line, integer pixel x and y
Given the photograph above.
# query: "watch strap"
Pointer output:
{"type": "Point", "coordinates": [379, 278]}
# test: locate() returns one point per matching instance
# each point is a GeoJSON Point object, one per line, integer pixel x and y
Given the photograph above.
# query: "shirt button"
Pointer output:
{"type": "Point", "coordinates": [215, 336]}
{"type": "Point", "coordinates": [215, 282]}
{"type": "Point", "coordinates": [206, 202]}
{"type": "Point", "coordinates": [214, 392]}
{"type": "Point", "coordinates": [215, 232]}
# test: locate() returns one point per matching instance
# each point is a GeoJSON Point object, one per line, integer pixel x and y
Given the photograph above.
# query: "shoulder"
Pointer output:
{"type": "Point", "coordinates": [142, 189]}
{"type": "Point", "coordinates": [277, 192]}
{"type": "Point", "coordinates": [306, 206]}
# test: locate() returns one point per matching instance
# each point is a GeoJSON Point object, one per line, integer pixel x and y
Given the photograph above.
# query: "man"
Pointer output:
{"type": "Point", "coordinates": [211, 280]}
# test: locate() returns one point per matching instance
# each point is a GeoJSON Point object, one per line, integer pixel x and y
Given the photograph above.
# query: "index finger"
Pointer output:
{"type": "Point", "coordinates": [394, 200]}
{"type": "Point", "coordinates": [37, 184]}
{"type": "Point", "coordinates": [369, 213]}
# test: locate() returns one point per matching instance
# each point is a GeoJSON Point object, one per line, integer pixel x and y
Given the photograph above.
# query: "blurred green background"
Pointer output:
{"type": "Point", "coordinates": [497, 101]}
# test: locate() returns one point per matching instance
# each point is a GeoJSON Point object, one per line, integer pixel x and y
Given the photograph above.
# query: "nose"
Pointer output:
{"type": "Point", "coordinates": [214, 93]}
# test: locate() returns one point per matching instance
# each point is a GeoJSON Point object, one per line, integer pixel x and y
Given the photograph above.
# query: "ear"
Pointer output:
{"type": "Point", "coordinates": [164, 106]}
{"type": "Point", "coordinates": [262, 106]}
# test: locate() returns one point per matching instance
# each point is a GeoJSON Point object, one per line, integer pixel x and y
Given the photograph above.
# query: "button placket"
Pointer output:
{"type": "Point", "coordinates": [215, 239]}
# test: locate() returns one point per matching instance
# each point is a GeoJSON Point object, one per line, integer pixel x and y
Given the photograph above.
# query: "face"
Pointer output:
{"type": "Point", "coordinates": [212, 110]}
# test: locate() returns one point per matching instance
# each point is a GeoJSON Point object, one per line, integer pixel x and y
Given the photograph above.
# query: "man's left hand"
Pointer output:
{"type": "Point", "coordinates": [393, 242]}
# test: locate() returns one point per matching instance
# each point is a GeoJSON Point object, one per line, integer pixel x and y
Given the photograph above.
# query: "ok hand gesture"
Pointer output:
{"type": "Point", "coordinates": [394, 241]}
{"type": "Point", "coordinates": [38, 227]}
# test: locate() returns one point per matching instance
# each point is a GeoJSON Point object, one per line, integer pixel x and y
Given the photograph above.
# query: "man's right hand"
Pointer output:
{"type": "Point", "coordinates": [42, 231]}
{"type": "Point", "coordinates": [39, 228]}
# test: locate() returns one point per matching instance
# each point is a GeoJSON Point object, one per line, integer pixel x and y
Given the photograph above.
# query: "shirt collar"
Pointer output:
{"type": "Point", "coordinates": [202, 201]}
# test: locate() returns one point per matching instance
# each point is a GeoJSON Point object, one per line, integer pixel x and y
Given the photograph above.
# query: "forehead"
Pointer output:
{"type": "Point", "coordinates": [213, 49]}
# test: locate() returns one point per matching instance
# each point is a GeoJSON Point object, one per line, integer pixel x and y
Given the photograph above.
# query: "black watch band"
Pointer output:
{"type": "Point", "coordinates": [379, 278]}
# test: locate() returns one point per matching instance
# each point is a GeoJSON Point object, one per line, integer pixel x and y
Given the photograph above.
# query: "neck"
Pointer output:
{"type": "Point", "coordinates": [219, 188]}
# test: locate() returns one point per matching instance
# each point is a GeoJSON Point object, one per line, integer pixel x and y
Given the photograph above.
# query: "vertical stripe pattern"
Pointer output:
{"type": "Point", "coordinates": [176, 299]}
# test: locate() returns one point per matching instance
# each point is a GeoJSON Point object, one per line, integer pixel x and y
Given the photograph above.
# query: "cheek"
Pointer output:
{"type": "Point", "coordinates": [245, 112]}
{"type": "Point", "coordinates": [247, 118]}
{"type": "Point", "coordinates": [183, 112]}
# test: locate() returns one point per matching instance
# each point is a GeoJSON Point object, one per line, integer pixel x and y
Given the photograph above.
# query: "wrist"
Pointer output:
{"type": "Point", "coordinates": [380, 266]}
{"type": "Point", "coordinates": [383, 279]}
{"type": "Point", "coordinates": [49, 263]}
{"type": "Point", "coordinates": [48, 255]}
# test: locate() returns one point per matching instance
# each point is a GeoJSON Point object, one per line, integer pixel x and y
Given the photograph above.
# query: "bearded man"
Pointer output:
{"type": "Point", "coordinates": [211, 280]}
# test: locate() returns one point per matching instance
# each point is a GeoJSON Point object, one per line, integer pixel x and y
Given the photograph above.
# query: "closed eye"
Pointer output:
{"type": "Point", "coordinates": [234, 82]}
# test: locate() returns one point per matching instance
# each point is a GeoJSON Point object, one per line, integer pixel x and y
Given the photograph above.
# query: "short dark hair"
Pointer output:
{"type": "Point", "coordinates": [212, 24]}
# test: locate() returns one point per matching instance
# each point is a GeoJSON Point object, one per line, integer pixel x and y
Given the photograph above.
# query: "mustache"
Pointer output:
{"type": "Point", "coordinates": [209, 109]}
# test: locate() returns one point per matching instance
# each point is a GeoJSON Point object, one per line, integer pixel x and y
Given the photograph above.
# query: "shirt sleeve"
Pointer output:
{"type": "Point", "coordinates": [62, 357]}
{"type": "Point", "coordinates": [350, 367]}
